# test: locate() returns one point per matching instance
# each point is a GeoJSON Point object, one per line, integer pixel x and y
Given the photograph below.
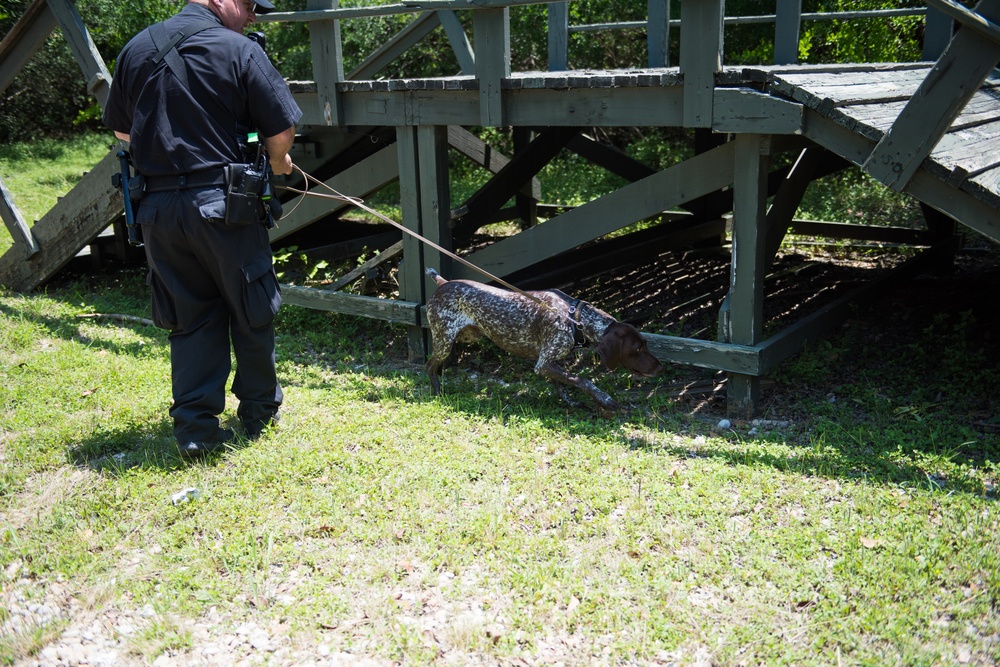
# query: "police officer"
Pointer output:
{"type": "Point", "coordinates": [185, 94]}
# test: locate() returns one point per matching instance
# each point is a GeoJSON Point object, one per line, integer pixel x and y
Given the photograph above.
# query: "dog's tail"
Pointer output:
{"type": "Point", "coordinates": [436, 276]}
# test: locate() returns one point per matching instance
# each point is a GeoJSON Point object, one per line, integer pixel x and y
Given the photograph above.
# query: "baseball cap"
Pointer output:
{"type": "Point", "coordinates": [263, 6]}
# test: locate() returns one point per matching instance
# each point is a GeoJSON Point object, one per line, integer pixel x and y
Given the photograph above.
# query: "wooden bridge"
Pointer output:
{"type": "Point", "coordinates": [930, 129]}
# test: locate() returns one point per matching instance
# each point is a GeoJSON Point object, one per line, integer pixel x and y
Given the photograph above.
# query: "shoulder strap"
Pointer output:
{"type": "Point", "coordinates": [167, 47]}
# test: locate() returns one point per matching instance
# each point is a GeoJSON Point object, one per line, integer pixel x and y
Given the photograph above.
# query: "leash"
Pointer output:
{"type": "Point", "coordinates": [356, 201]}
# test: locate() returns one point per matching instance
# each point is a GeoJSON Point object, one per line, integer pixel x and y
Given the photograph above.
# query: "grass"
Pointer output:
{"type": "Point", "coordinates": [857, 524]}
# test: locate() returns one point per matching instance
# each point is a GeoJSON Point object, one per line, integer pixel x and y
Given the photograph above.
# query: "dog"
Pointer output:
{"type": "Point", "coordinates": [542, 325]}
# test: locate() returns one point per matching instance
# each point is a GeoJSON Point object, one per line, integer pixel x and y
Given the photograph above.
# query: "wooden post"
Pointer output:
{"type": "Point", "coordinates": [558, 36]}
{"type": "Point", "coordinates": [328, 61]}
{"type": "Point", "coordinates": [938, 27]}
{"type": "Point", "coordinates": [701, 57]}
{"type": "Point", "coordinates": [459, 41]}
{"type": "Point", "coordinates": [658, 33]}
{"type": "Point", "coordinates": [492, 44]}
{"type": "Point", "coordinates": [424, 200]}
{"type": "Point", "coordinates": [743, 324]}
{"type": "Point", "coordinates": [786, 31]}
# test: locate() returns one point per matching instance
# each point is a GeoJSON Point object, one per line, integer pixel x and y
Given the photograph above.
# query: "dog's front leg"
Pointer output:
{"type": "Point", "coordinates": [553, 371]}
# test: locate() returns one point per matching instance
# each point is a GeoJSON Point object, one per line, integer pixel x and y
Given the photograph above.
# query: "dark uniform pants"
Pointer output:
{"type": "Point", "coordinates": [211, 284]}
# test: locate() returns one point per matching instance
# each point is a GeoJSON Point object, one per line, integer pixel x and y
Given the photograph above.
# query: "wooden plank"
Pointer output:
{"type": "Point", "coordinates": [937, 33]}
{"type": "Point", "coordinates": [16, 225]}
{"type": "Point", "coordinates": [786, 201]}
{"type": "Point", "coordinates": [960, 71]}
{"type": "Point", "coordinates": [24, 40]}
{"type": "Point", "coordinates": [459, 42]}
{"type": "Point", "coordinates": [558, 16]}
{"type": "Point", "coordinates": [970, 150]}
{"type": "Point", "coordinates": [616, 107]}
{"type": "Point", "coordinates": [400, 312]}
{"type": "Point", "coordinates": [68, 227]}
{"type": "Point", "coordinates": [328, 62]}
{"type": "Point", "coordinates": [701, 58]}
{"type": "Point", "coordinates": [492, 44]}
{"type": "Point", "coordinates": [435, 197]}
{"type": "Point", "coordinates": [662, 191]}
{"type": "Point", "coordinates": [371, 174]}
{"type": "Point", "coordinates": [84, 50]}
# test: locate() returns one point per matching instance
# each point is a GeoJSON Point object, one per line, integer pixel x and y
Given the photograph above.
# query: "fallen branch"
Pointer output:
{"type": "Point", "coordinates": [120, 318]}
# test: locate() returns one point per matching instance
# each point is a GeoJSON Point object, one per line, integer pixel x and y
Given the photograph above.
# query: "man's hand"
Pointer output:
{"type": "Point", "coordinates": [282, 164]}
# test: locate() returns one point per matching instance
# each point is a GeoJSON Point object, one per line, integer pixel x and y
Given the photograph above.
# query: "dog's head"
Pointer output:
{"type": "Point", "coordinates": [623, 345]}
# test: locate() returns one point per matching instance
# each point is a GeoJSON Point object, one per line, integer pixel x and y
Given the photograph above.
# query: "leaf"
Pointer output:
{"type": "Point", "coordinates": [868, 543]}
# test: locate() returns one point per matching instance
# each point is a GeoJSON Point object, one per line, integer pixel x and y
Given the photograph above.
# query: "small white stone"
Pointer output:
{"type": "Point", "coordinates": [724, 423]}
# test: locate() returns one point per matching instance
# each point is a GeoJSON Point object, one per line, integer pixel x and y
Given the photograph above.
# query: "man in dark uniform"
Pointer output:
{"type": "Point", "coordinates": [185, 94]}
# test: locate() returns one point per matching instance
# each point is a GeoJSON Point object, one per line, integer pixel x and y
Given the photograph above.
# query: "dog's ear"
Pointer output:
{"type": "Point", "coordinates": [610, 347]}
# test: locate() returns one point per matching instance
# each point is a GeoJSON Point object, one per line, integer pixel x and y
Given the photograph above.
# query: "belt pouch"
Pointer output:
{"type": "Point", "coordinates": [242, 207]}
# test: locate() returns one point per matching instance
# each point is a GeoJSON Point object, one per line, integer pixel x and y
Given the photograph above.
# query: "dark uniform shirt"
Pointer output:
{"type": "Point", "coordinates": [233, 88]}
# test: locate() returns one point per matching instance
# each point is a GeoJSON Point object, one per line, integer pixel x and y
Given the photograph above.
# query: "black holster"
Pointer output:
{"type": "Point", "coordinates": [244, 186]}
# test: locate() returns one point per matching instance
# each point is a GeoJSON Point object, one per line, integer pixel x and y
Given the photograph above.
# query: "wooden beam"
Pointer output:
{"type": "Point", "coordinates": [414, 31]}
{"type": "Point", "coordinates": [741, 359]}
{"type": "Point", "coordinates": [392, 252]}
{"type": "Point", "coordinates": [24, 40]}
{"type": "Point", "coordinates": [789, 196]}
{"type": "Point", "coordinates": [739, 110]}
{"type": "Point", "coordinates": [651, 196]}
{"type": "Point", "coordinates": [459, 42]}
{"type": "Point", "coordinates": [84, 50]}
{"type": "Point", "coordinates": [951, 83]}
{"type": "Point", "coordinates": [401, 312]}
{"type": "Point", "coordinates": [788, 18]}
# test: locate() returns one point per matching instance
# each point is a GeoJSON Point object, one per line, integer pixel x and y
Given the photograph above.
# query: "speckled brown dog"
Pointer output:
{"type": "Point", "coordinates": [547, 330]}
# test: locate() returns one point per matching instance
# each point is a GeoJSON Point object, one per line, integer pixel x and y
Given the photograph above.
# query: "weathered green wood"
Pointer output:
{"type": "Point", "coordinates": [400, 312]}
{"type": "Point", "coordinates": [742, 318]}
{"type": "Point", "coordinates": [663, 190]}
{"type": "Point", "coordinates": [459, 42]}
{"type": "Point", "coordinates": [392, 252]}
{"type": "Point", "coordinates": [963, 67]}
{"type": "Point", "coordinates": [848, 230]}
{"type": "Point", "coordinates": [701, 58]}
{"type": "Point", "coordinates": [742, 359]}
{"type": "Point", "coordinates": [371, 174]}
{"type": "Point", "coordinates": [983, 20]}
{"type": "Point", "coordinates": [658, 32]}
{"type": "Point", "coordinates": [16, 225]}
{"type": "Point", "coordinates": [435, 196]}
{"type": "Point", "coordinates": [742, 110]}
{"type": "Point", "coordinates": [84, 50]}
{"type": "Point", "coordinates": [788, 17]}
{"type": "Point", "coordinates": [492, 45]}
{"type": "Point", "coordinates": [414, 31]}
{"type": "Point", "coordinates": [24, 40]}
{"type": "Point", "coordinates": [328, 62]}
{"type": "Point", "coordinates": [558, 16]}
{"type": "Point", "coordinates": [68, 226]}
{"type": "Point", "coordinates": [411, 282]}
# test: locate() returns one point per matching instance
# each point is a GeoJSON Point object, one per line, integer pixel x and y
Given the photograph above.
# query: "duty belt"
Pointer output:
{"type": "Point", "coordinates": [198, 179]}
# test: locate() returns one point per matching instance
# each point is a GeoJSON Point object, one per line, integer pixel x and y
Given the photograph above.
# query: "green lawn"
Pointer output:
{"type": "Point", "coordinates": [856, 525]}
